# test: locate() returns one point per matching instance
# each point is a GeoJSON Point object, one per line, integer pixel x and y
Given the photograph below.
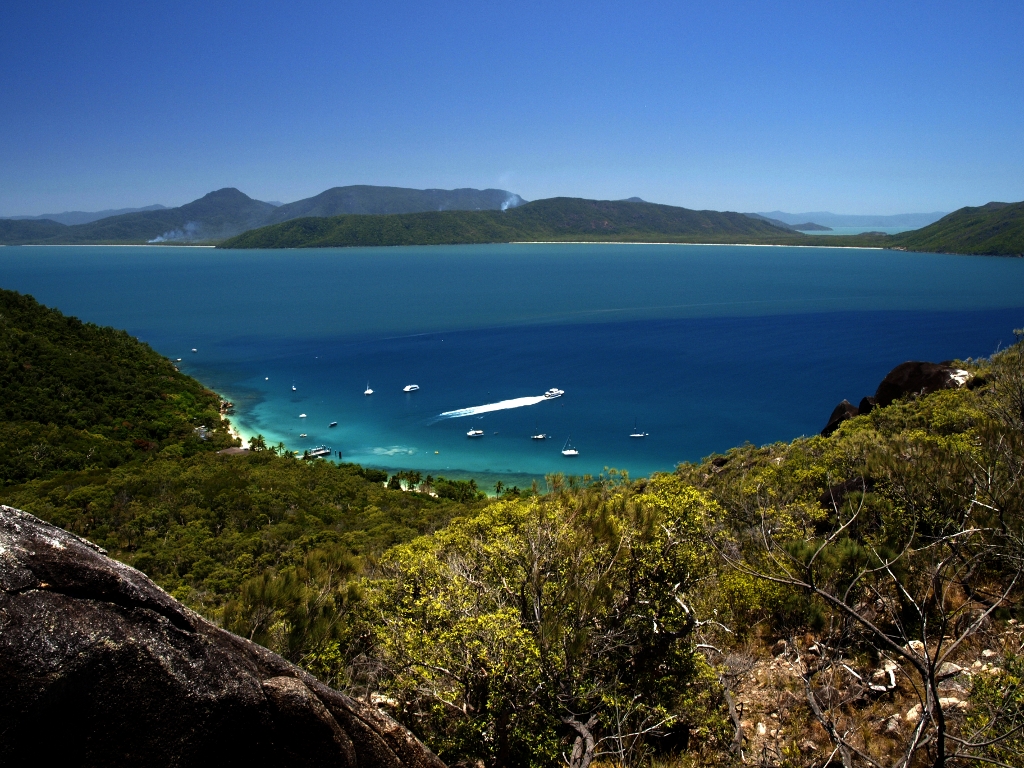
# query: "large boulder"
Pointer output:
{"type": "Point", "coordinates": [99, 666]}
{"type": "Point", "coordinates": [919, 378]}
{"type": "Point", "coordinates": [845, 410]}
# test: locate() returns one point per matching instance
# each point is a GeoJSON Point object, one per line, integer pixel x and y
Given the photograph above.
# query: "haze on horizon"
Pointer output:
{"type": "Point", "coordinates": [867, 108]}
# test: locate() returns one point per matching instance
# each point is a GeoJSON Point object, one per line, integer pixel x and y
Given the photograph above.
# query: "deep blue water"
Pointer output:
{"type": "Point", "coordinates": [704, 347]}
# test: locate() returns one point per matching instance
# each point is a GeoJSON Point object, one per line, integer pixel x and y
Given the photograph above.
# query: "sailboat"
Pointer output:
{"type": "Point", "coordinates": [368, 390]}
{"type": "Point", "coordinates": [567, 449]}
{"type": "Point", "coordinates": [636, 432]}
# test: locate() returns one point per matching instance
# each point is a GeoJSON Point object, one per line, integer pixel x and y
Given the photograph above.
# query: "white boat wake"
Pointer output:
{"type": "Point", "coordinates": [504, 405]}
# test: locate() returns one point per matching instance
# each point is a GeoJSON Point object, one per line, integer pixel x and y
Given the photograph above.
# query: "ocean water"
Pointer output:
{"type": "Point", "coordinates": [702, 347]}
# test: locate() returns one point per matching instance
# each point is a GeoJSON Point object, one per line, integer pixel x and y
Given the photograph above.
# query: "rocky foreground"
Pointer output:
{"type": "Point", "coordinates": [99, 666]}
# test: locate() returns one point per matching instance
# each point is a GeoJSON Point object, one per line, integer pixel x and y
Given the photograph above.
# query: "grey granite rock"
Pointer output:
{"type": "Point", "coordinates": [99, 666]}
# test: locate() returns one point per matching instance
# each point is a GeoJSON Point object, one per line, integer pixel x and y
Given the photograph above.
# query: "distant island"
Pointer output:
{"type": "Point", "coordinates": [808, 226]}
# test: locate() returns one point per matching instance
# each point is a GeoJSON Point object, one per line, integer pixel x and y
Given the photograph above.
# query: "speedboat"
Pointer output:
{"type": "Point", "coordinates": [475, 433]}
{"type": "Point", "coordinates": [410, 387]}
{"type": "Point", "coordinates": [333, 424]}
{"type": "Point", "coordinates": [554, 392]}
{"type": "Point", "coordinates": [568, 450]}
{"type": "Point", "coordinates": [194, 349]}
{"type": "Point", "coordinates": [368, 390]}
{"type": "Point", "coordinates": [302, 415]}
{"type": "Point", "coordinates": [303, 434]}
{"type": "Point", "coordinates": [540, 436]}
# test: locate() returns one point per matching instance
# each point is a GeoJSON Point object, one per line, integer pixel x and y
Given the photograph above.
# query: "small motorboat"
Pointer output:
{"type": "Point", "coordinates": [194, 349]}
{"type": "Point", "coordinates": [302, 415]}
{"type": "Point", "coordinates": [540, 436]}
{"type": "Point", "coordinates": [568, 450]}
{"type": "Point", "coordinates": [333, 424]}
{"type": "Point", "coordinates": [368, 391]}
{"type": "Point", "coordinates": [554, 392]}
{"type": "Point", "coordinates": [294, 387]}
{"type": "Point", "coordinates": [410, 387]}
{"type": "Point", "coordinates": [303, 434]}
{"type": "Point", "coordinates": [475, 433]}
{"type": "Point", "coordinates": [177, 359]}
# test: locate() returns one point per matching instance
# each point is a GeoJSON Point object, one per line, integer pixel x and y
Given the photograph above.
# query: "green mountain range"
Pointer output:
{"type": "Point", "coordinates": [995, 229]}
{"type": "Point", "coordinates": [375, 216]}
{"type": "Point", "coordinates": [228, 212]}
{"type": "Point", "coordinates": [559, 219]}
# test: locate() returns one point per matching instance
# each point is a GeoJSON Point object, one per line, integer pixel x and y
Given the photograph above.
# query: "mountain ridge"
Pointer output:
{"type": "Point", "coordinates": [227, 212]}
{"type": "Point", "coordinates": [69, 218]}
{"type": "Point", "coordinates": [559, 218]}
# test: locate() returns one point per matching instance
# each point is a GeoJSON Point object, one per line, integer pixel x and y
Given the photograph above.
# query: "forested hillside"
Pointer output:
{"type": "Point", "coordinates": [852, 598]}
{"type": "Point", "coordinates": [995, 229]}
{"type": "Point", "coordinates": [559, 218]}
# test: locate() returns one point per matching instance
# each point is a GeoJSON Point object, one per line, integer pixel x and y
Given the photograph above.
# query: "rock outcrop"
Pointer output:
{"type": "Point", "coordinates": [910, 378]}
{"type": "Point", "coordinates": [918, 378]}
{"type": "Point", "coordinates": [845, 410]}
{"type": "Point", "coordinates": [99, 666]}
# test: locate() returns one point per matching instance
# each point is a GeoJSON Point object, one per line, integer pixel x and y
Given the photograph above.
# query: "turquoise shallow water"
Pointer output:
{"type": "Point", "coordinates": [704, 347]}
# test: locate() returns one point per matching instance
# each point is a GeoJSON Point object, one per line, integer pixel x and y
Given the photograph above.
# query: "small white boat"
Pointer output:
{"type": "Point", "coordinates": [636, 432]}
{"type": "Point", "coordinates": [410, 387]}
{"type": "Point", "coordinates": [302, 415]}
{"type": "Point", "coordinates": [177, 359]}
{"type": "Point", "coordinates": [194, 349]}
{"type": "Point", "coordinates": [475, 433]}
{"type": "Point", "coordinates": [333, 424]}
{"type": "Point", "coordinates": [303, 434]}
{"type": "Point", "coordinates": [368, 390]}
{"type": "Point", "coordinates": [293, 387]}
{"type": "Point", "coordinates": [540, 436]}
{"type": "Point", "coordinates": [568, 450]}
{"type": "Point", "coordinates": [554, 392]}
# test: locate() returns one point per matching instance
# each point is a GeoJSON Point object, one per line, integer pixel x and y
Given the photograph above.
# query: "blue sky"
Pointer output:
{"type": "Point", "coordinates": [854, 107]}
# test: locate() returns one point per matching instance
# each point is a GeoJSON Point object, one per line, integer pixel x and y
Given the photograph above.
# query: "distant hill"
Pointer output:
{"type": "Point", "coordinates": [825, 218]}
{"type": "Point", "coordinates": [16, 231]}
{"type": "Point", "coordinates": [560, 218]}
{"type": "Point", "coordinates": [229, 212]}
{"type": "Point", "coordinates": [84, 217]}
{"type": "Point", "coordinates": [810, 226]}
{"type": "Point", "coordinates": [382, 200]}
{"type": "Point", "coordinates": [995, 229]}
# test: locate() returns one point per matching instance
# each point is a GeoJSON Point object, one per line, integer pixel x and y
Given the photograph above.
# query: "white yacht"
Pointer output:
{"type": "Point", "coordinates": [636, 432]}
{"type": "Point", "coordinates": [302, 415]}
{"type": "Point", "coordinates": [554, 392]}
{"type": "Point", "coordinates": [368, 390]}
{"type": "Point", "coordinates": [568, 450]}
{"type": "Point", "coordinates": [475, 433]}
{"type": "Point", "coordinates": [410, 387]}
